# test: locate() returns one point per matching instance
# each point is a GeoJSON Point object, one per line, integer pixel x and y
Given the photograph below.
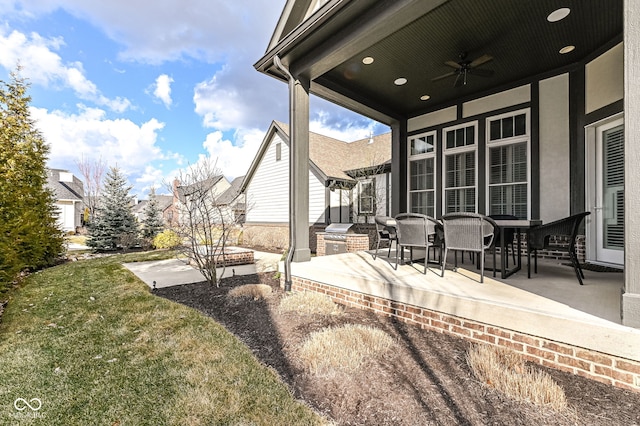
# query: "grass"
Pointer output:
{"type": "Point", "coordinates": [346, 348]}
{"type": "Point", "coordinates": [253, 291]}
{"type": "Point", "coordinates": [507, 372]}
{"type": "Point", "coordinates": [96, 347]}
{"type": "Point", "coordinates": [309, 303]}
{"type": "Point", "coordinates": [77, 239]}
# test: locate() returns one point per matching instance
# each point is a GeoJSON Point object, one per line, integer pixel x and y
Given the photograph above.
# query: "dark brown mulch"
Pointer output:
{"type": "Point", "coordinates": [424, 381]}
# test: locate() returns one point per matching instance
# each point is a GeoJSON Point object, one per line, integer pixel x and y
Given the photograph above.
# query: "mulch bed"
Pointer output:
{"type": "Point", "coordinates": [424, 381]}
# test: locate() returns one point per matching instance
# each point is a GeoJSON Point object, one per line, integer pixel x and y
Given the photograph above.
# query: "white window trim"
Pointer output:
{"type": "Point", "coordinates": [509, 141]}
{"type": "Point", "coordinates": [422, 157]}
{"type": "Point", "coordinates": [361, 183]}
{"type": "Point", "coordinates": [459, 150]}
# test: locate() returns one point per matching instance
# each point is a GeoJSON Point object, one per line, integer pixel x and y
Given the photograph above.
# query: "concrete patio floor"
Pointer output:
{"type": "Point", "coordinates": [551, 304]}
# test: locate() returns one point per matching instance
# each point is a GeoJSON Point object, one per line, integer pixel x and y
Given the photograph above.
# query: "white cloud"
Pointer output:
{"type": "Point", "coordinates": [209, 30]}
{"type": "Point", "coordinates": [162, 89]}
{"type": "Point", "coordinates": [240, 97]}
{"type": "Point", "coordinates": [234, 158]}
{"type": "Point", "coordinates": [42, 65]}
{"type": "Point", "coordinates": [118, 142]}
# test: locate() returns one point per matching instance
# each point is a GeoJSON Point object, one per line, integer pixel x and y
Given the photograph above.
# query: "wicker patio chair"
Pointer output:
{"type": "Point", "coordinates": [468, 232]}
{"type": "Point", "coordinates": [415, 230]}
{"type": "Point", "coordinates": [539, 238]}
{"type": "Point", "coordinates": [509, 233]}
{"type": "Point", "coordinates": [386, 231]}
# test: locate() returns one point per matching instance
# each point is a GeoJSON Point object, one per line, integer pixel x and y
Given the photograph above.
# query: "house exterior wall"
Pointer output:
{"type": "Point", "coordinates": [339, 206]}
{"type": "Point", "coordinates": [554, 148]}
{"type": "Point", "coordinates": [68, 215]}
{"type": "Point", "coordinates": [268, 191]}
{"type": "Point", "coordinates": [604, 79]}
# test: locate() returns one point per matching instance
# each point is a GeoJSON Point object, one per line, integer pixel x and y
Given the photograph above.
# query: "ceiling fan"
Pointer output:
{"type": "Point", "coordinates": [464, 67]}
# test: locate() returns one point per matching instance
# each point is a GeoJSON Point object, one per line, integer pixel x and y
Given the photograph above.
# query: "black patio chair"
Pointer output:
{"type": "Point", "coordinates": [509, 233]}
{"type": "Point", "coordinates": [386, 231]}
{"type": "Point", "coordinates": [539, 238]}
{"type": "Point", "coordinates": [470, 232]}
{"type": "Point", "coordinates": [415, 230]}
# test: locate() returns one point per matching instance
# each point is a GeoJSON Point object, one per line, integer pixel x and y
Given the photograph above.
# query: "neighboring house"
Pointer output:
{"type": "Point", "coordinates": [165, 205]}
{"type": "Point", "coordinates": [215, 187]}
{"type": "Point", "coordinates": [232, 202]}
{"type": "Point", "coordinates": [524, 108]}
{"type": "Point", "coordinates": [69, 192]}
{"type": "Point", "coordinates": [348, 182]}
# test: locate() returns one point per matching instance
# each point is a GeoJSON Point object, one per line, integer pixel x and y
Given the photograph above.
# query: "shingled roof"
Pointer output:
{"type": "Point", "coordinates": [338, 159]}
{"type": "Point", "coordinates": [69, 191]}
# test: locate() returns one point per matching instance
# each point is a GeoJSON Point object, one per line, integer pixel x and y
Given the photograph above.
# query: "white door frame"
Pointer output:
{"type": "Point", "coordinates": [593, 187]}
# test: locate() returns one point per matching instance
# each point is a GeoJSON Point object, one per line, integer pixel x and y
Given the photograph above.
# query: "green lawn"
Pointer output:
{"type": "Point", "coordinates": [91, 342]}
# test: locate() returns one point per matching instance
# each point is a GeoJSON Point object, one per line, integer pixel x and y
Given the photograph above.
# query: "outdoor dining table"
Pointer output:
{"type": "Point", "coordinates": [518, 225]}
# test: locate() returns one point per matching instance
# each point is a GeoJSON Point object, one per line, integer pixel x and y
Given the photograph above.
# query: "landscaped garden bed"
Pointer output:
{"type": "Point", "coordinates": [424, 379]}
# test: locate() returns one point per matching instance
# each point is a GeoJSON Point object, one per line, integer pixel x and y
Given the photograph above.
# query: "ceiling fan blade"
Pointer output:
{"type": "Point", "coordinates": [461, 79]}
{"type": "Point", "coordinates": [481, 72]}
{"type": "Point", "coordinates": [449, 74]}
{"type": "Point", "coordinates": [453, 64]}
{"type": "Point", "coordinates": [481, 60]}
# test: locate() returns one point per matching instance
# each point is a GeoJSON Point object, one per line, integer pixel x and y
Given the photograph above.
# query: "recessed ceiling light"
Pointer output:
{"type": "Point", "coordinates": [368, 60]}
{"type": "Point", "coordinates": [558, 15]}
{"type": "Point", "coordinates": [567, 49]}
{"type": "Point", "coordinates": [425, 97]}
{"type": "Point", "coordinates": [400, 81]}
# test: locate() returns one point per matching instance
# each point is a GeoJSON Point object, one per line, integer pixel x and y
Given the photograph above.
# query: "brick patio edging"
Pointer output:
{"type": "Point", "coordinates": [609, 369]}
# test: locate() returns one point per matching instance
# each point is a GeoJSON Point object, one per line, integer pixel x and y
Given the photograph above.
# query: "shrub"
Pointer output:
{"type": "Point", "coordinates": [167, 239]}
{"type": "Point", "coordinates": [253, 291]}
{"type": "Point", "coordinates": [309, 303]}
{"type": "Point", "coordinates": [507, 372]}
{"type": "Point", "coordinates": [346, 348]}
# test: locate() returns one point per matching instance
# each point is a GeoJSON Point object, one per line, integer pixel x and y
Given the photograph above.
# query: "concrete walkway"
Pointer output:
{"type": "Point", "coordinates": [170, 272]}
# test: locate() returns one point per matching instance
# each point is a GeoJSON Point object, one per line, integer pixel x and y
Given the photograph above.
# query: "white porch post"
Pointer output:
{"type": "Point", "coordinates": [299, 168]}
{"type": "Point", "coordinates": [631, 297]}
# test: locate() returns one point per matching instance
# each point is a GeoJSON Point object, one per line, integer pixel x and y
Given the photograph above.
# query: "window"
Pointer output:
{"type": "Point", "coordinates": [366, 197]}
{"type": "Point", "coordinates": [422, 174]}
{"type": "Point", "coordinates": [279, 151]}
{"type": "Point", "coordinates": [460, 169]}
{"type": "Point", "coordinates": [508, 164]}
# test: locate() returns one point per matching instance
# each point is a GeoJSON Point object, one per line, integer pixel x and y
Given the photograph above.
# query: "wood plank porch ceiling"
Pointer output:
{"type": "Point", "coordinates": [516, 34]}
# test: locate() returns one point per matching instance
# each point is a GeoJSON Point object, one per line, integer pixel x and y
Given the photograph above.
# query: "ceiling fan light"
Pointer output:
{"type": "Point", "coordinates": [367, 60]}
{"type": "Point", "coordinates": [559, 14]}
{"type": "Point", "coordinates": [400, 81]}
{"type": "Point", "coordinates": [567, 49]}
{"type": "Point", "coordinates": [425, 97]}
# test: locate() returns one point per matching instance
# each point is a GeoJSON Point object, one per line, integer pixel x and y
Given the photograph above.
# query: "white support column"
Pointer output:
{"type": "Point", "coordinates": [631, 297]}
{"type": "Point", "coordinates": [299, 168]}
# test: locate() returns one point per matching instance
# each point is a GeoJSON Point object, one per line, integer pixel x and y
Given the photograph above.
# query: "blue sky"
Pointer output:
{"type": "Point", "coordinates": [153, 86]}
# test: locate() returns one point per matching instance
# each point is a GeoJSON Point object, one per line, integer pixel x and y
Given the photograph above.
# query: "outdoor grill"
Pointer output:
{"type": "Point", "coordinates": [335, 237]}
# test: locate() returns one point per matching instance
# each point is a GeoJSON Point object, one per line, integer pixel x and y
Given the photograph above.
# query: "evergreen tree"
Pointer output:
{"type": "Point", "coordinates": [115, 225]}
{"type": "Point", "coordinates": [29, 233]}
{"type": "Point", "coordinates": [152, 224]}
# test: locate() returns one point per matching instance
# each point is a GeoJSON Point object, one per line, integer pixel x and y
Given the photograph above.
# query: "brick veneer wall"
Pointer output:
{"type": "Point", "coordinates": [557, 254]}
{"type": "Point", "coordinates": [355, 242]}
{"type": "Point", "coordinates": [233, 258]}
{"type": "Point", "coordinates": [594, 365]}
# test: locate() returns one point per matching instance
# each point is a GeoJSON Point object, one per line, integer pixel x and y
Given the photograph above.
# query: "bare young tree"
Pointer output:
{"type": "Point", "coordinates": [203, 222]}
{"type": "Point", "coordinates": [92, 172]}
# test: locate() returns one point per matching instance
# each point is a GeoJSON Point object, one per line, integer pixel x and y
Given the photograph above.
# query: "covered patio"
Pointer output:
{"type": "Point", "coordinates": [529, 109]}
{"type": "Point", "coordinates": [549, 318]}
